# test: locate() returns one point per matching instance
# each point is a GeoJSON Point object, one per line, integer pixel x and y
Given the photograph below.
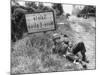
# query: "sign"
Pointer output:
{"type": "Point", "coordinates": [40, 22]}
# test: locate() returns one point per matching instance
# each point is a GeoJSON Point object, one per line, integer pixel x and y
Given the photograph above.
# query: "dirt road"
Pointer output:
{"type": "Point", "coordinates": [85, 31]}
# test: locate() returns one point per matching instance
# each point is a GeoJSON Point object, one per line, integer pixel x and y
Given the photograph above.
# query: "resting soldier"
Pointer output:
{"type": "Point", "coordinates": [64, 47]}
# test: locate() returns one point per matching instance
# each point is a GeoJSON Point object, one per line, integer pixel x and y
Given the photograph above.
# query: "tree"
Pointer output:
{"type": "Point", "coordinates": [58, 8]}
{"type": "Point", "coordinates": [87, 11]}
{"type": "Point", "coordinates": [31, 4]}
{"type": "Point", "coordinates": [18, 25]}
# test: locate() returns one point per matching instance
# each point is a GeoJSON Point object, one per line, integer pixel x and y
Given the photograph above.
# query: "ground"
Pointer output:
{"type": "Point", "coordinates": [33, 53]}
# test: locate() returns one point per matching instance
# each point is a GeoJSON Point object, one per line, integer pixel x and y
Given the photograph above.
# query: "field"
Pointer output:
{"type": "Point", "coordinates": [33, 53]}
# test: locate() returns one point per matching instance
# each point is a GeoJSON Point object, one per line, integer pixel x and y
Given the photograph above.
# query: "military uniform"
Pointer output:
{"type": "Point", "coordinates": [63, 46]}
{"type": "Point", "coordinates": [59, 46]}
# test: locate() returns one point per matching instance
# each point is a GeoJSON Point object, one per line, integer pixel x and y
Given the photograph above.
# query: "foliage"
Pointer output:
{"type": "Point", "coordinates": [87, 11]}
{"type": "Point", "coordinates": [18, 22]}
{"type": "Point", "coordinates": [58, 8]}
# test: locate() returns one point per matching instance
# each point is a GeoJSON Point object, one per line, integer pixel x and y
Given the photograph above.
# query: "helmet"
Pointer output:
{"type": "Point", "coordinates": [56, 35]}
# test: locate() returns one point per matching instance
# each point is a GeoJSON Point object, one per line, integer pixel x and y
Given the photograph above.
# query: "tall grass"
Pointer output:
{"type": "Point", "coordinates": [34, 54]}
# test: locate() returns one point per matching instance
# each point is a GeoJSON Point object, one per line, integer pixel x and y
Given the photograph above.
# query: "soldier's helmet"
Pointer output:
{"type": "Point", "coordinates": [56, 36]}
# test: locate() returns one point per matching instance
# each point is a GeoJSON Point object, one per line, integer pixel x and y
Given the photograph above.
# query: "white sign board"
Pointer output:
{"type": "Point", "coordinates": [40, 22]}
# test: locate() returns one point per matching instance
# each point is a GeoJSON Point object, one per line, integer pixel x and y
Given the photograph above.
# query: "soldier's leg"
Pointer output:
{"type": "Point", "coordinates": [83, 51]}
{"type": "Point", "coordinates": [80, 47]}
{"type": "Point", "coordinates": [83, 55]}
{"type": "Point", "coordinates": [76, 49]}
{"type": "Point", "coordinates": [83, 65]}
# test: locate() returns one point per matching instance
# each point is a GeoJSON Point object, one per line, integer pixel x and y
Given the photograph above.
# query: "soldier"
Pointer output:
{"type": "Point", "coordinates": [59, 46]}
{"type": "Point", "coordinates": [64, 47]}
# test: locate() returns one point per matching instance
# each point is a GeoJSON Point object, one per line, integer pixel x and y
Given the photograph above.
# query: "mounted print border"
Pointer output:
{"type": "Point", "coordinates": [69, 45]}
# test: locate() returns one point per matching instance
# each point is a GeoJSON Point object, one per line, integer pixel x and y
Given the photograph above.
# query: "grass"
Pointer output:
{"type": "Point", "coordinates": [33, 53]}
